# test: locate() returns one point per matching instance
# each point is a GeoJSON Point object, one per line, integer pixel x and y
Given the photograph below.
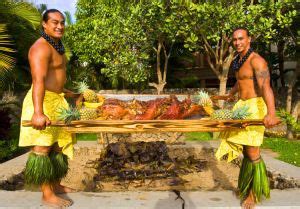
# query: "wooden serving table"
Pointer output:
{"type": "Point", "coordinates": [152, 126]}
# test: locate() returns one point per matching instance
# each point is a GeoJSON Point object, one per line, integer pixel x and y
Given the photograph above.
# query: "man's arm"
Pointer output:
{"type": "Point", "coordinates": [233, 91]}
{"type": "Point", "coordinates": [262, 77]}
{"type": "Point", "coordinates": [71, 94]}
{"type": "Point", "coordinates": [39, 57]}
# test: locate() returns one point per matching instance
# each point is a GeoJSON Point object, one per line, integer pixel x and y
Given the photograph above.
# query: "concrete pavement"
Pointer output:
{"type": "Point", "coordinates": [280, 199]}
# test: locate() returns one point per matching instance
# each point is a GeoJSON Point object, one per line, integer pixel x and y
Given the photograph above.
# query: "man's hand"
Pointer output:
{"type": "Point", "coordinates": [79, 100]}
{"type": "Point", "coordinates": [271, 120]}
{"type": "Point", "coordinates": [40, 121]}
{"type": "Point", "coordinates": [230, 98]}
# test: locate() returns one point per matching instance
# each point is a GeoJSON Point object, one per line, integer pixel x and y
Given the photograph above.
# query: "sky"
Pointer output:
{"type": "Point", "coordinates": [61, 5]}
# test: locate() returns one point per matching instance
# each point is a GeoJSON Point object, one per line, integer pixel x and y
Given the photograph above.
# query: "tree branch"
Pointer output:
{"type": "Point", "coordinates": [158, 70]}
{"type": "Point", "coordinates": [211, 64]}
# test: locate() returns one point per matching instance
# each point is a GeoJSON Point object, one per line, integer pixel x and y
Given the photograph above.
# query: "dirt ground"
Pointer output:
{"type": "Point", "coordinates": [215, 176]}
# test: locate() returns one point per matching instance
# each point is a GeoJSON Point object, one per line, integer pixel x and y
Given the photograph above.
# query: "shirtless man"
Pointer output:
{"type": "Point", "coordinates": [253, 88]}
{"type": "Point", "coordinates": [51, 146]}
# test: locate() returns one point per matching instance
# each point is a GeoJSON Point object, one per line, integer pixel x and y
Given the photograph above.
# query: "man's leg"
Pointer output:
{"type": "Point", "coordinates": [253, 180]}
{"type": "Point", "coordinates": [60, 162]}
{"type": "Point", "coordinates": [39, 171]}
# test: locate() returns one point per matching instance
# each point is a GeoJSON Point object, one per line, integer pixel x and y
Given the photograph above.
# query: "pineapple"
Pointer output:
{"type": "Point", "coordinates": [88, 113]}
{"type": "Point", "coordinates": [88, 94]}
{"type": "Point", "coordinates": [241, 113]}
{"type": "Point", "coordinates": [205, 102]}
{"type": "Point", "coordinates": [68, 115]}
{"type": "Point", "coordinates": [238, 114]}
{"type": "Point", "coordinates": [222, 114]}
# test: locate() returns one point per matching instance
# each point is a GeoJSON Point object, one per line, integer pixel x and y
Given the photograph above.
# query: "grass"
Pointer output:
{"type": "Point", "coordinates": [198, 136]}
{"type": "Point", "coordinates": [289, 151]}
{"type": "Point", "coordinates": [86, 137]}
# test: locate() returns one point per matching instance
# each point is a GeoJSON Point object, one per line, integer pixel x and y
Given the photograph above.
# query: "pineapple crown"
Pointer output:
{"type": "Point", "coordinates": [241, 112]}
{"type": "Point", "coordinates": [67, 115]}
{"type": "Point", "coordinates": [204, 99]}
{"type": "Point", "coordinates": [81, 86]}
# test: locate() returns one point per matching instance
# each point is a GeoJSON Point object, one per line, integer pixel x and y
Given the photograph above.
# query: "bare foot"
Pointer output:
{"type": "Point", "coordinates": [56, 202]}
{"type": "Point", "coordinates": [59, 189]}
{"type": "Point", "coordinates": [249, 202]}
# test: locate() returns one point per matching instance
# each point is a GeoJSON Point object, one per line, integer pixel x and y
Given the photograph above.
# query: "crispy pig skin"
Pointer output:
{"type": "Point", "coordinates": [161, 108]}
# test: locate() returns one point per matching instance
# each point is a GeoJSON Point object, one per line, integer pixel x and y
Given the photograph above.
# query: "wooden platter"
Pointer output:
{"type": "Point", "coordinates": [132, 126]}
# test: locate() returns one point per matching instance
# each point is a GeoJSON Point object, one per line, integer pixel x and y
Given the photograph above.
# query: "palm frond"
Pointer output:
{"type": "Point", "coordinates": [25, 11]}
{"type": "Point", "coordinates": [42, 8]}
{"type": "Point", "coordinates": [68, 16]}
{"type": "Point", "coordinates": [5, 77]}
{"type": "Point", "coordinates": [6, 61]}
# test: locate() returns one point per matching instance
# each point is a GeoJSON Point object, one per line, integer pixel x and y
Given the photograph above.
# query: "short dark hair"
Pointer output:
{"type": "Point", "coordinates": [241, 28]}
{"type": "Point", "coordinates": [45, 15]}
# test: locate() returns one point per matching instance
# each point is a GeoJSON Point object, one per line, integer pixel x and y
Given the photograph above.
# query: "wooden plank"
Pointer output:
{"type": "Point", "coordinates": [130, 126]}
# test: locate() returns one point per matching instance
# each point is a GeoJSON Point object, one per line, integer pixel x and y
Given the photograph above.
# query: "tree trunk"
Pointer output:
{"type": "Point", "coordinates": [289, 133]}
{"type": "Point", "coordinates": [295, 112]}
{"type": "Point", "coordinates": [161, 83]}
{"type": "Point", "coordinates": [222, 89]}
{"type": "Point", "coordinates": [280, 48]}
{"type": "Point", "coordinates": [159, 86]}
{"type": "Point", "coordinates": [289, 98]}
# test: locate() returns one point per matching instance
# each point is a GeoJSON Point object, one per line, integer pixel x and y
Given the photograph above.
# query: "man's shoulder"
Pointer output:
{"type": "Point", "coordinates": [40, 46]}
{"type": "Point", "coordinates": [257, 60]}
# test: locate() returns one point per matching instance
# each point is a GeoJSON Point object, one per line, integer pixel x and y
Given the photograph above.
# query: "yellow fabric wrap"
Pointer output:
{"type": "Point", "coordinates": [29, 136]}
{"type": "Point", "coordinates": [232, 141]}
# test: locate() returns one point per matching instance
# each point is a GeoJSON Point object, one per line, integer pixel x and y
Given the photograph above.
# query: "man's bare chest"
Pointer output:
{"type": "Point", "coordinates": [57, 62]}
{"type": "Point", "coordinates": [245, 72]}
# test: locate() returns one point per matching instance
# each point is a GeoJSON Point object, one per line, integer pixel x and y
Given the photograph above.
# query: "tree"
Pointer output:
{"type": "Point", "coordinates": [107, 33]}
{"type": "Point", "coordinates": [208, 26]}
{"type": "Point", "coordinates": [125, 36]}
{"type": "Point", "coordinates": [24, 13]}
{"type": "Point", "coordinates": [161, 29]}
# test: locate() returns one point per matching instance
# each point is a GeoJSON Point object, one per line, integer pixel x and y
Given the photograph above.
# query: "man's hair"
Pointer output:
{"type": "Point", "coordinates": [241, 28]}
{"type": "Point", "coordinates": [46, 14]}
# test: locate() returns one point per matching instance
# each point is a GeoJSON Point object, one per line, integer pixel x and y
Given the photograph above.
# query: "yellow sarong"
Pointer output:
{"type": "Point", "coordinates": [232, 141]}
{"type": "Point", "coordinates": [29, 136]}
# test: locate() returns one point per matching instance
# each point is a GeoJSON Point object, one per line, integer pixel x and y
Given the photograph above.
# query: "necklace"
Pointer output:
{"type": "Point", "coordinates": [59, 47]}
{"type": "Point", "coordinates": [237, 64]}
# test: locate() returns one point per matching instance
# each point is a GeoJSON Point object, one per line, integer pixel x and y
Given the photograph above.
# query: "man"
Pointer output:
{"type": "Point", "coordinates": [51, 146]}
{"type": "Point", "coordinates": [253, 88]}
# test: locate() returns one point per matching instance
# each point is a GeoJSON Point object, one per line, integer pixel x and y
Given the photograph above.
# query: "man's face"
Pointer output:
{"type": "Point", "coordinates": [241, 41]}
{"type": "Point", "coordinates": [55, 25]}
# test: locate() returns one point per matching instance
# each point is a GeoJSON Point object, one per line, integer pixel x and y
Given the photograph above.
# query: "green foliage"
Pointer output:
{"type": "Point", "coordinates": [208, 26]}
{"type": "Point", "coordinates": [15, 18]}
{"type": "Point", "coordinates": [288, 150]}
{"type": "Point", "coordinates": [214, 22]}
{"type": "Point", "coordinates": [198, 136]}
{"type": "Point", "coordinates": [289, 120]}
{"type": "Point", "coordinates": [112, 36]}
{"type": "Point", "coordinates": [9, 148]}
{"type": "Point", "coordinates": [124, 37]}
{"type": "Point", "coordinates": [86, 137]}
